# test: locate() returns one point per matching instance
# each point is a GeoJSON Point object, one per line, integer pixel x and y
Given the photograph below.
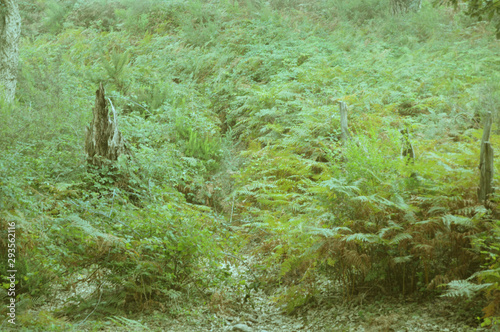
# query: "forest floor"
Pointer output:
{"type": "Point", "coordinates": [226, 310]}
{"type": "Point", "coordinates": [331, 313]}
{"type": "Point", "coordinates": [374, 316]}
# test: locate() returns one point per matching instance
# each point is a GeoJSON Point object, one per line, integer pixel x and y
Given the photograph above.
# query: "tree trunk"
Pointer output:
{"type": "Point", "coordinates": [486, 163]}
{"type": "Point", "coordinates": [404, 6]}
{"type": "Point", "coordinates": [103, 142]}
{"type": "Point", "coordinates": [486, 183]}
{"type": "Point", "coordinates": [10, 31]}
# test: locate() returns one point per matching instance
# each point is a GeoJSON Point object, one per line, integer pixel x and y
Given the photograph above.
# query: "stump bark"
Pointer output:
{"type": "Point", "coordinates": [103, 141]}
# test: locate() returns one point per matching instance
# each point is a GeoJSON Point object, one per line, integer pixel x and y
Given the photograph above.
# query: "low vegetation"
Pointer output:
{"type": "Point", "coordinates": [230, 111]}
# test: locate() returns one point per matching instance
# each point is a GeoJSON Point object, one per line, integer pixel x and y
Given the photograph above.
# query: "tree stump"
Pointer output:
{"type": "Point", "coordinates": [399, 7]}
{"type": "Point", "coordinates": [103, 141]}
{"type": "Point", "coordinates": [345, 136]}
{"type": "Point", "coordinates": [486, 166]}
{"type": "Point", "coordinates": [408, 152]}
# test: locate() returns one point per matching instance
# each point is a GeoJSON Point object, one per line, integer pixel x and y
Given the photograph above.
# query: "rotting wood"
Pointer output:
{"type": "Point", "coordinates": [103, 142]}
{"type": "Point", "coordinates": [486, 166]}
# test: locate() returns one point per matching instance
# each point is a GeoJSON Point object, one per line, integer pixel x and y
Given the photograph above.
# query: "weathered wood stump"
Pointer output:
{"type": "Point", "coordinates": [345, 135]}
{"type": "Point", "coordinates": [103, 141]}
{"type": "Point", "coordinates": [486, 163]}
{"type": "Point", "coordinates": [408, 152]}
{"type": "Point", "coordinates": [399, 7]}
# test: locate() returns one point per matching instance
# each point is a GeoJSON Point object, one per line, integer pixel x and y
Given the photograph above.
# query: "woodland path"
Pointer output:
{"type": "Point", "coordinates": [261, 314]}
{"type": "Point", "coordinates": [228, 311]}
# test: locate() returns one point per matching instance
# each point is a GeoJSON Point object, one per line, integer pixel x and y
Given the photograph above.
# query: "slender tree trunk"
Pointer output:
{"type": "Point", "coordinates": [10, 31]}
{"type": "Point", "coordinates": [486, 163]}
{"type": "Point", "coordinates": [404, 6]}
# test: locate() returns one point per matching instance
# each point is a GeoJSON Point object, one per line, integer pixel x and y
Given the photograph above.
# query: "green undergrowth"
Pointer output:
{"type": "Point", "coordinates": [230, 111]}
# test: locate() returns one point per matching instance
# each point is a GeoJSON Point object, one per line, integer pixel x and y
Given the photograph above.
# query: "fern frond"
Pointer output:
{"type": "Point", "coordinates": [450, 219]}
{"type": "Point", "coordinates": [379, 200]}
{"type": "Point", "coordinates": [459, 288]}
{"type": "Point", "coordinates": [431, 221]}
{"type": "Point", "coordinates": [371, 238]}
{"type": "Point", "coordinates": [352, 257]}
{"type": "Point", "coordinates": [86, 227]}
{"type": "Point", "coordinates": [128, 323]}
{"type": "Point", "coordinates": [391, 227]}
{"type": "Point", "coordinates": [328, 232]}
{"type": "Point", "coordinates": [340, 186]}
{"type": "Point", "coordinates": [400, 237]}
{"type": "Point", "coordinates": [492, 274]}
{"type": "Point", "coordinates": [466, 211]}
{"type": "Point", "coordinates": [437, 210]}
{"type": "Point", "coordinates": [402, 259]}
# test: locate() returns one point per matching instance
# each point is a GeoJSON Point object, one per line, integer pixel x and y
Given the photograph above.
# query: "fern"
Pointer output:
{"type": "Point", "coordinates": [362, 237]}
{"type": "Point", "coordinates": [328, 232]}
{"type": "Point", "coordinates": [400, 237]}
{"type": "Point", "coordinates": [402, 259]}
{"type": "Point", "coordinates": [464, 288]}
{"type": "Point", "coordinates": [116, 67]}
{"type": "Point", "coordinates": [341, 186]}
{"type": "Point", "coordinates": [128, 323]}
{"type": "Point", "coordinates": [392, 226]}
{"type": "Point", "coordinates": [449, 220]}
